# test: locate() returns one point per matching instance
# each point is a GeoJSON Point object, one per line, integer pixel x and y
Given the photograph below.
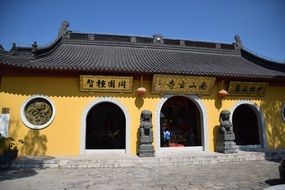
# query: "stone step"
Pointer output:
{"type": "Point", "coordinates": [111, 161]}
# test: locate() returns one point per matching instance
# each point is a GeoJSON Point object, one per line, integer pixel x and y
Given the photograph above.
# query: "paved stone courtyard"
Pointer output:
{"type": "Point", "coordinates": [232, 175]}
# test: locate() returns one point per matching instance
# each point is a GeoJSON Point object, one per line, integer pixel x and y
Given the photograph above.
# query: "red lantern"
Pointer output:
{"type": "Point", "coordinates": [141, 91]}
{"type": "Point", "coordinates": [223, 93]}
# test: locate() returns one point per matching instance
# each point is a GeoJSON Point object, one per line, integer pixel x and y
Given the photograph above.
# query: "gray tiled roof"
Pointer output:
{"type": "Point", "coordinates": [67, 54]}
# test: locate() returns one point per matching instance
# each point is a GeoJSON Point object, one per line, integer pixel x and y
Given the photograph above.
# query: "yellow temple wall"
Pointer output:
{"type": "Point", "coordinates": [62, 136]}
{"type": "Point", "coordinates": [271, 107]}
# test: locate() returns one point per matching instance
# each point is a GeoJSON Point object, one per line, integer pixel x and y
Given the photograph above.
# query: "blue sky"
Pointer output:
{"type": "Point", "coordinates": [260, 23]}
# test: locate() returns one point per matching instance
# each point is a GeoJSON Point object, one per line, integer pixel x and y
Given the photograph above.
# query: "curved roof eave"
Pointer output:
{"type": "Point", "coordinates": [71, 55]}
{"type": "Point", "coordinates": [263, 61]}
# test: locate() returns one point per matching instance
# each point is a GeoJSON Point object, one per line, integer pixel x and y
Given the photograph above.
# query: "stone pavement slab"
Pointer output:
{"type": "Point", "coordinates": [230, 175]}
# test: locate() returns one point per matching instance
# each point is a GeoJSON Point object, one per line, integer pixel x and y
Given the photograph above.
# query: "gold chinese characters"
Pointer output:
{"type": "Point", "coordinates": [174, 84]}
{"type": "Point", "coordinates": [106, 83]}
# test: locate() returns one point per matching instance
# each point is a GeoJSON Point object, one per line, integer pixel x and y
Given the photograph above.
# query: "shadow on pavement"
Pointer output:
{"type": "Point", "coordinates": [16, 174]}
{"type": "Point", "coordinates": [270, 155]}
{"type": "Point", "coordinates": [272, 182]}
{"type": "Point", "coordinates": [23, 167]}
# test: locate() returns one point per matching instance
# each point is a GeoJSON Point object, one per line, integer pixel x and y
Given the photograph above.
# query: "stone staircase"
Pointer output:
{"type": "Point", "coordinates": [166, 159]}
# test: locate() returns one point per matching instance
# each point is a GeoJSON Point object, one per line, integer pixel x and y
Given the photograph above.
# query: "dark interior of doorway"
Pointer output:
{"type": "Point", "coordinates": [245, 126]}
{"type": "Point", "coordinates": [105, 127]}
{"type": "Point", "coordinates": [180, 116]}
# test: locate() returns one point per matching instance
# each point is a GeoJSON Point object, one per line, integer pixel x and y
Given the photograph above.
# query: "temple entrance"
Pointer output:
{"type": "Point", "coordinates": [245, 124]}
{"type": "Point", "coordinates": [180, 124]}
{"type": "Point", "coordinates": [105, 127]}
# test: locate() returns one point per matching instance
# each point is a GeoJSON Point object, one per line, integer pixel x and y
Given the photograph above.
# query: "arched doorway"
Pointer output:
{"type": "Point", "coordinates": [245, 124]}
{"type": "Point", "coordinates": [181, 117]}
{"type": "Point", "coordinates": [105, 127]}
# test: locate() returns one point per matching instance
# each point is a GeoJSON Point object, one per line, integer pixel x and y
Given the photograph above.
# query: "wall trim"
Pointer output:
{"type": "Point", "coordinates": [83, 123]}
{"type": "Point", "coordinates": [203, 120]}
{"type": "Point", "coordinates": [260, 119]}
{"type": "Point", "coordinates": [28, 123]}
{"type": "Point", "coordinates": [283, 112]}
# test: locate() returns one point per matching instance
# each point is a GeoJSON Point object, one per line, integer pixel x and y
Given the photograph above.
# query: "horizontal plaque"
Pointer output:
{"type": "Point", "coordinates": [181, 84]}
{"type": "Point", "coordinates": [247, 88]}
{"type": "Point", "coordinates": [106, 83]}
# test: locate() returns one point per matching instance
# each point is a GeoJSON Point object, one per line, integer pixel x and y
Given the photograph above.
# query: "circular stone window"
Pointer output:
{"type": "Point", "coordinates": [37, 112]}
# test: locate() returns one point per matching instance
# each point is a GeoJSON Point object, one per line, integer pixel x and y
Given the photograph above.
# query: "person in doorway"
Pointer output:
{"type": "Point", "coordinates": [166, 137]}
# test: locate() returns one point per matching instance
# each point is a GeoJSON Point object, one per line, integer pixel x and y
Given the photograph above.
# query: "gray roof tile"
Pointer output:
{"type": "Point", "coordinates": [129, 57]}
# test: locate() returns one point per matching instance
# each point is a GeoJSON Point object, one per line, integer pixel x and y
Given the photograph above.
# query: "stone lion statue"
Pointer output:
{"type": "Point", "coordinates": [145, 148]}
{"type": "Point", "coordinates": [226, 126]}
{"type": "Point", "coordinates": [146, 133]}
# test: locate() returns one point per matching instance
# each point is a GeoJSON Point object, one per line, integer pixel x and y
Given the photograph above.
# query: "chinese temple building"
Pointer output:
{"type": "Point", "coordinates": [84, 94]}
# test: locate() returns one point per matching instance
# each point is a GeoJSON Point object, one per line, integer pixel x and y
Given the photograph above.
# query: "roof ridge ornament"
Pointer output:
{"type": "Point", "coordinates": [238, 44]}
{"type": "Point", "coordinates": [34, 49]}
{"type": "Point", "coordinates": [158, 38]}
{"type": "Point", "coordinates": [13, 49]}
{"type": "Point", "coordinates": [63, 32]}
